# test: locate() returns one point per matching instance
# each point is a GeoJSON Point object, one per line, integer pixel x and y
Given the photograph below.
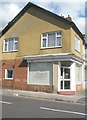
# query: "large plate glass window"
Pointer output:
{"type": "Point", "coordinates": [41, 73]}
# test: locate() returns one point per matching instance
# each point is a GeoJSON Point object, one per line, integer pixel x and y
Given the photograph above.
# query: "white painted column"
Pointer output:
{"type": "Point", "coordinates": [73, 77]}
{"type": "Point", "coordinates": [83, 76]}
{"type": "Point", "coordinates": [59, 72]}
{"type": "Point", "coordinates": [28, 73]}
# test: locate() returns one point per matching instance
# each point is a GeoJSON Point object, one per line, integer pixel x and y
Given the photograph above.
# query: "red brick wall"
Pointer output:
{"type": "Point", "coordinates": [42, 88]}
{"type": "Point", "coordinates": [79, 87]}
{"type": "Point", "coordinates": [20, 77]}
{"type": "Point", "coordinates": [20, 72]}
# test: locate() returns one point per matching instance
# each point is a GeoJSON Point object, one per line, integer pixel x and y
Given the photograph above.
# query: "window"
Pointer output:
{"type": "Point", "coordinates": [9, 74]}
{"type": "Point", "coordinates": [41, 73]}
{"type": "Point", "coordinates": [78, 72]}
{"type": "Point", "coordinates": [66, 73]}
{"type": "Point", "coordinates": [52, 39]}
{"type": "Point", "coordinates": [77, 44]}
{"type": "Point", "coordinates": [10, 44]}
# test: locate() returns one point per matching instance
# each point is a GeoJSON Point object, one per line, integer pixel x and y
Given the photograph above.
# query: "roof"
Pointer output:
{"type": "Point", "coordinates": [21, 13]}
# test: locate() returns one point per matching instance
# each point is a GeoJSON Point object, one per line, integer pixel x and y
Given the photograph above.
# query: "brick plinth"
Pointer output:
{"type": "Point", "coordinates": [79, 87]}
{"type": "Point", "coordinates": [24, 86]}
{"type": "Point", "coordinates": [40, 88]}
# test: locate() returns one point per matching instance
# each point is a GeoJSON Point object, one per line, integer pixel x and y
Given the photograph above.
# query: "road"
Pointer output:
{"type": "Point", "coordinates": [20, 107]}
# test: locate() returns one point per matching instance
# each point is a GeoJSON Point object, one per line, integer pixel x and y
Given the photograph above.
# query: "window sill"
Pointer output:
{"type": "Point", "coordinates": [51, 47]}
{"type": "Point", "coordinates": [10, 51]}
{"type": "Point", "coordinates": [8, 79]}
{"type": "Point", "coordinates": [32, 84]}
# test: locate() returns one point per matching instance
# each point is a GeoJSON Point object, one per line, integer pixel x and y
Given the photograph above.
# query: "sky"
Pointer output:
{"type": "Point", "coordinates": [76, 9]}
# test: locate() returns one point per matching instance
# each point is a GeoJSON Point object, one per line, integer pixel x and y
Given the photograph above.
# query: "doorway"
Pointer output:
{"type": "Point", "coordinates": [65, 80]}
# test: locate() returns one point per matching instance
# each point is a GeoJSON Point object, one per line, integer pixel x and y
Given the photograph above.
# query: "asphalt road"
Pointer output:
{"type": "Point", "coordinates": [19, 107]}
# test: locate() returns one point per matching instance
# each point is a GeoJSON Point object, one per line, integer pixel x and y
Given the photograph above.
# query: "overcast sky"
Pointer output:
{"type": "Point", "coordinates": [76, 9]}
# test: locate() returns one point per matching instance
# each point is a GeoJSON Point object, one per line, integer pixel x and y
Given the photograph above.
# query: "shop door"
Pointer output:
{"type": "Point", "coordinates": [65, 81]}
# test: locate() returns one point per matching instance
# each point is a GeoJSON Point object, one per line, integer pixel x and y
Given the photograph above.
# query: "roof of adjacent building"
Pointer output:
{"type": "Point", "coordinates": [21, 13]}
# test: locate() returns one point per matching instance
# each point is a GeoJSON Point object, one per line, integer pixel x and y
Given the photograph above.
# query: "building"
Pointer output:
{"type": "Point", "coordinates": [86, 67]}
{"type": "Point", "coordinates": [42, 51]}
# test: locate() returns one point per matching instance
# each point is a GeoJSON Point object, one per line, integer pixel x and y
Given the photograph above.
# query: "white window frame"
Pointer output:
{"type": "Point", "coordinates": [15, 40]}
{"type": "Point", "coordinates": [63, 79]}
{"type": "Point", "coordinates": [46, 37]}
{"type": "Point", "coordinates": [7, 75]}
{"type": "Point", "coordinates": [77, 43]}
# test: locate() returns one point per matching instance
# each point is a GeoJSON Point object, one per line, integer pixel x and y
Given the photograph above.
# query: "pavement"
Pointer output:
{"type": "Point", "coordinates": [77, 98]}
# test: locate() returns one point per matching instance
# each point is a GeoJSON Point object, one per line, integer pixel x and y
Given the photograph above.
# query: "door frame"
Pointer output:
{"type": "Point", "coordinates": [63, 79]}
{"type": "Point", "coordinates": [59, 77]}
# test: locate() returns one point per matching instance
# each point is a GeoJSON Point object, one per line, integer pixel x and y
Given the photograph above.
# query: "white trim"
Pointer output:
{"type": "Point", "coordinates": [65, 79]}
{"type": "Point", "coordinates": [15, 40]}
{"type": "Point", "coordinates": [50, 47]}
{"type": "Point", "coordinates": [28, 73]}
{"type": "Point", "coordinates": [73, 77]}
{"type": "Point", "coordinates": [46, 37]}
{"type": "Point", "coordinates": [59, 66]}
{"type": "Point", "coordinates": [77, 62]}
{"type": "Point", "coordinates": [53, 73]}
{"type": "Point", "coordinates": [48, 55]}
{"type": "Point", "coordinates": [8, 78]}
{"type": "Point", "coordinates": [10, 51]}
{"type": "Point", "coordinates": [6, 74]}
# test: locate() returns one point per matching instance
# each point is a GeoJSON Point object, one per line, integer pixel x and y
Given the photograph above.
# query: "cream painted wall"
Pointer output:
{"type": "Point", "coordinates": [55, 76]}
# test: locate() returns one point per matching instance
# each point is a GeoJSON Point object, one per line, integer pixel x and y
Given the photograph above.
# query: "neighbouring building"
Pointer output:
{"type": "Point", "coordinates": [86, 67]}
{"type": "Point", "coordinates": [42, 51]}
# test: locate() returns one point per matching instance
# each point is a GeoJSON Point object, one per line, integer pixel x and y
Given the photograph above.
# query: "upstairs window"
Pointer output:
{"type": "Point", "coordinates": [53, 39]}
{"type": "Point", "coordinates": [10, 44]}
{"type": "Point", "coordinates": [77, 44]}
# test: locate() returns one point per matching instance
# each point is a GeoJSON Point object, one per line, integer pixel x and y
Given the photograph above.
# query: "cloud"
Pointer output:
{"type": "Point", "coordinates": [7, 13]}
